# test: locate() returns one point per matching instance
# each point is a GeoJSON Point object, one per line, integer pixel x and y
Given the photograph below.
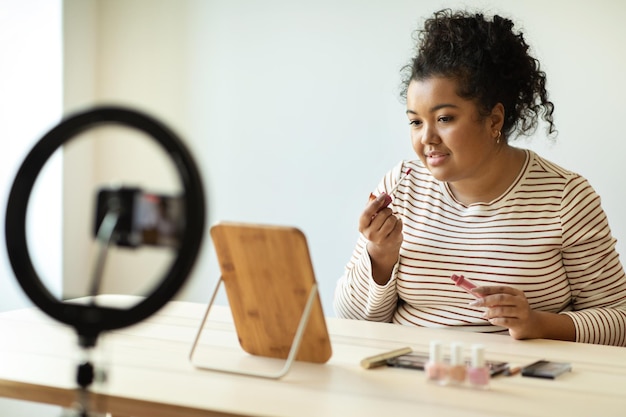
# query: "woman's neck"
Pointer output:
{"type": "Point", "coordinates": [494, 181]}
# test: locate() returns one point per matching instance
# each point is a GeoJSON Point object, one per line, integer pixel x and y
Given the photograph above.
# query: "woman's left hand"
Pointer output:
{"type": "Point", "coordinates": [507, 307]}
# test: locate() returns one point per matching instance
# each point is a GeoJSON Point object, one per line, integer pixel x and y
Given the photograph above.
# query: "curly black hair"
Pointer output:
{"type": "Point", "coordinates": [491, 63]}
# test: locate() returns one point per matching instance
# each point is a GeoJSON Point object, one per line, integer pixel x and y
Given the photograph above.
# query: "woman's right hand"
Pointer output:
{"type": "Point", "coordinates": [383, 230]}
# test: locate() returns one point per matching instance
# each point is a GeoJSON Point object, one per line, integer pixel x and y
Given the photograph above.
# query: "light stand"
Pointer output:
{"type": "Point", "coordinates": [90, 320]}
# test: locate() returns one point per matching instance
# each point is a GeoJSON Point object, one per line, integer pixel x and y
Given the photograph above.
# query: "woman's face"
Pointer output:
{"type": "Point", "coordinates": [447, 132]}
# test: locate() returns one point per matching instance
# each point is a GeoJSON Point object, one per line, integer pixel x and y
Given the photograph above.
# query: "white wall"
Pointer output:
{"type": "Point", "coordinates": [292, 108]}
{"type": "Point", "coordinates": [30, 104]}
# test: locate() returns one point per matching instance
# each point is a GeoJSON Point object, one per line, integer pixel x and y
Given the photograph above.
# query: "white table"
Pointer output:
{"type": "Point", "coordinates": [150, 374]}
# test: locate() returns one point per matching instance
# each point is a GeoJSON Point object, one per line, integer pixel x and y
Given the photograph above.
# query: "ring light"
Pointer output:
{"type": "Point", "coordinates": [90, 320]}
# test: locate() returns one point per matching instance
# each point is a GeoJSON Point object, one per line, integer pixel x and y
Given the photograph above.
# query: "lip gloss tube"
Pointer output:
{"type": "Point", "coordinates": [461, 281]}
{"type": "Point", "coordinates": [458, 369]}
{"type": "Point", "coordinates": [436, 369]}
{"type": "Point", "coordinates": [478, 372]}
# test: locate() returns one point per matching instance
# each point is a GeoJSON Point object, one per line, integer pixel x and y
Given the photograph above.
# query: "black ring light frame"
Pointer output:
{"type": "Point", "coordinates": [90, 320]}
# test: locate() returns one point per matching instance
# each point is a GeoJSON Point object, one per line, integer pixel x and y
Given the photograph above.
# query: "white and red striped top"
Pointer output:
{"type": "Point", "coordinates": [546, 235]}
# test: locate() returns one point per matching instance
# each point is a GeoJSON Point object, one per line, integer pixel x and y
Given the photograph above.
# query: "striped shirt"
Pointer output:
{"type": "Point", "coordinates": [547, 235]}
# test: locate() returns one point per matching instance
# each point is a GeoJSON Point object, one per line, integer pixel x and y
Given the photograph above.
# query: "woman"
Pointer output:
{"type": "Point", "coordinates": [531, 235]}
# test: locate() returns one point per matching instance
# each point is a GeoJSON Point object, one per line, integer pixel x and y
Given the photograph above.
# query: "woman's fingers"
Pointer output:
{"type": "Point", "coordinates": [501, 302]}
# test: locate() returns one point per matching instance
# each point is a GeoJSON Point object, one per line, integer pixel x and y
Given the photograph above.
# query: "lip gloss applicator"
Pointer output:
{"type": "Point", "coordinates": [393, 190]}
{"type": "Point", "coordinates": [395, 187]}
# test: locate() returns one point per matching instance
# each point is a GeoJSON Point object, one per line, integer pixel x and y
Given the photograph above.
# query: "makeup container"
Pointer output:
{"type": "Point", "coordinates": [478, 371]}
{"type": "Point", "coordinates": [436, 368]}
{"type": "Point", "coordinates": [457, 371]}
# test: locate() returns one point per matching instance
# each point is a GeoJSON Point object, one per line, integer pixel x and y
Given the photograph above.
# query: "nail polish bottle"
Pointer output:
{"type": "Point", "coordinates": [458, 369]}
{"type": "Point", "coordinates": [478, 372]}
{"type": "Point", "coordinates": [436, 369]}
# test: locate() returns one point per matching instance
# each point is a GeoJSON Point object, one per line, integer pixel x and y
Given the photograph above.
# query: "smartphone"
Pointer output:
{"type": "Point", "coordinates": [144, 218]}
{"type": "Point", "coordinates": [418, 361]}
{"type": "Point", "coordinates": [546, 369]}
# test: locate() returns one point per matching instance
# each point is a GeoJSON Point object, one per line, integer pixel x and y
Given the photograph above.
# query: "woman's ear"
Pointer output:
{"type": "Point", "coordinates": [496, 118]}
